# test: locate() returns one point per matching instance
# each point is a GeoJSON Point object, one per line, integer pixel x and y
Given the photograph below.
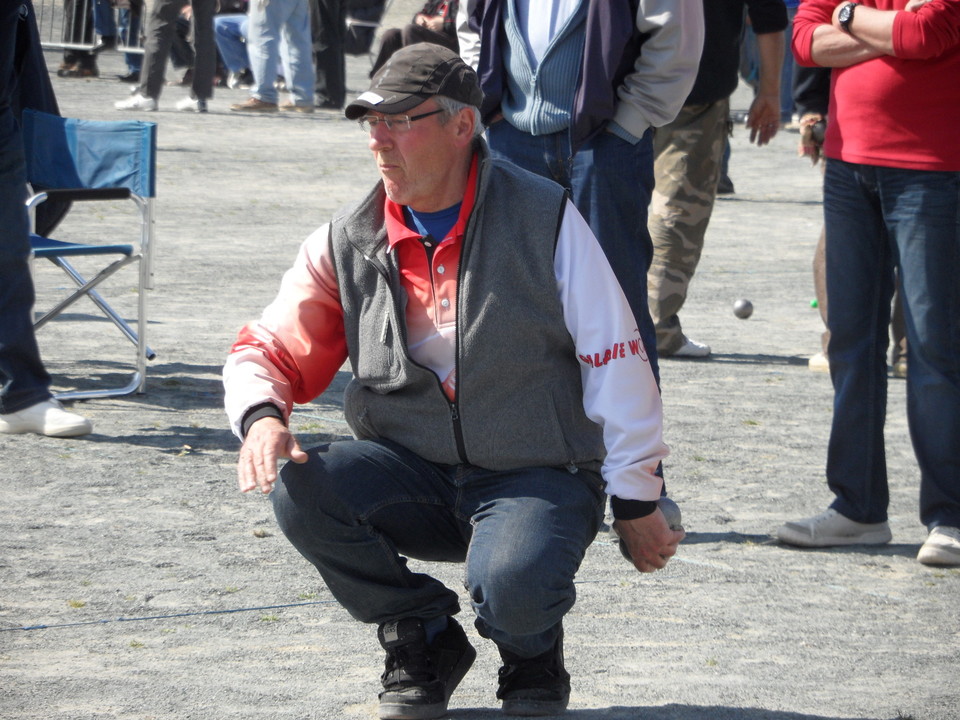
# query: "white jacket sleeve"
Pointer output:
{"type": "Point", "coordinates": [296, 347]}
{"type": "Point", "coordinates": [619, 390]}
{"type": "Point", "coordinates": [468, 39]}
{"type": "Point", "coordinates": [663, 75]}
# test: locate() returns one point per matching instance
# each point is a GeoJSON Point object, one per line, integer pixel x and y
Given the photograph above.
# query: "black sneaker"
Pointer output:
{"type": "Point", "coordinates": [537, 686]}
{"type": "Point", "coordinates": [419, 679]}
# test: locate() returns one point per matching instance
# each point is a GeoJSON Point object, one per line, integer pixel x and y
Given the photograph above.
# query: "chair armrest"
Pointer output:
{"type": "Point", "coordinates": [79, 194]}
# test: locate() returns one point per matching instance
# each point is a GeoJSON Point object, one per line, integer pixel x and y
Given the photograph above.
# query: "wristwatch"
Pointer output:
{"type": "Point", "coordinates": [845, 16]}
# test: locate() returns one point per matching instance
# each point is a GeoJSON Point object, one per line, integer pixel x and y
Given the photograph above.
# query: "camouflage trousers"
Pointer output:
{"type": "Point", "coordinates": [687, 157]}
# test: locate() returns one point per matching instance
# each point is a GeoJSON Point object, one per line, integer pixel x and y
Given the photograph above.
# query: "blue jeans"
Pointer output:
{"type": "Point", "coordinates": [103, 20]}
{"type": "Point", "coordinates": [610, 182]}
{"type": "Point", "coordinates": [356, 508]}
{"type": "Point", "coordinates": [786, 71]}
{"type": "Point", "coordinates": [23, 379]}
{"type": "Point", "coordinates": [289, 20]}
{"type": "Point", "coordinates": [230, 32]}
{"type": "Point", "coordinates": [129, 23]}
{"type": "Point", "coordinates": [878, 219]}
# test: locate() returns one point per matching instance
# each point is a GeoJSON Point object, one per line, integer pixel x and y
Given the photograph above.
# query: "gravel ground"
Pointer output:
{"type": "Point", "coordinates": [137, 583]}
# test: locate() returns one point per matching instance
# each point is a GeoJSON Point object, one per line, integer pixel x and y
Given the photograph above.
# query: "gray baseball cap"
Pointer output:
{"type": "Point", "coordinates": [413, 74]}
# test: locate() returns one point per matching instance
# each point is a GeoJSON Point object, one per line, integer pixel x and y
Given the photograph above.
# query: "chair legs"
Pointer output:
{"type": "Point", "coordinates": [86, 287]}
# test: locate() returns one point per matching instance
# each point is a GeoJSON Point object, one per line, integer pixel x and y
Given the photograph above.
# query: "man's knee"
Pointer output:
{"type": "Point", "coordinates": [288, 499]}
{"type": "Point", "coordinates": [300, 497]}
{"type": "Point", "coordinates": [518, 596]}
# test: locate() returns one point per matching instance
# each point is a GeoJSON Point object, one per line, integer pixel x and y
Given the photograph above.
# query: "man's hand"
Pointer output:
{"type": "Point", "coordinates": [812, 127]}
{"type": "Point", "coordinates": [650, 540]}
{"type": "Point", "coordinates": [268, 441]}
{"type": "Point", "coordinates": [434, 22]}
{"type": "Point", "coordinates": [764, 118]}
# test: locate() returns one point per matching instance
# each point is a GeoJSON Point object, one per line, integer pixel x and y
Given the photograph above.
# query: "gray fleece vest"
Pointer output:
{"type": "Point", "coordinates": [519, 398]}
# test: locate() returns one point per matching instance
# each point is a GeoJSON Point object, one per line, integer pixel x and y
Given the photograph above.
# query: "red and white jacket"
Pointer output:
{"type": "Point", "coordinates": [292, 353]}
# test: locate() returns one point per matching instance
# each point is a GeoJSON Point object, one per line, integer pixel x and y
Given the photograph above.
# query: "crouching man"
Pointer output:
{"type": "Point", "coordinates": [499, 389]}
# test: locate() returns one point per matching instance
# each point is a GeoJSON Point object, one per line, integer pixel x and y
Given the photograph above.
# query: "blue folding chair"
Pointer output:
{"type": "Point", "coordinates": [71, 160]}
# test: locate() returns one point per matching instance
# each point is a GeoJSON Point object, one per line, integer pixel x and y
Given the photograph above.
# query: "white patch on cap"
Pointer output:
{"type": "Point", "coordinates": [370, 97]}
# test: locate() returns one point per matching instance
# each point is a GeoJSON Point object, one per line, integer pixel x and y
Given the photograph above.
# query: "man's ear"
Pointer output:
{"type": "Point", "coordinates": [464, 125]}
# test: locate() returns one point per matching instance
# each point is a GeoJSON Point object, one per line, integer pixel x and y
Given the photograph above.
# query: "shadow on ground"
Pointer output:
{"type": "Point", "coordinates": [671, 712]}
{"type": "Point", "coordinates": [905, 550]}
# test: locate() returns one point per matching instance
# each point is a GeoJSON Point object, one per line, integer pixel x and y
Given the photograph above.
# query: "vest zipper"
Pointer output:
{"type": "Point", "coordinates": [458, 432]}
{"type": "Point", "coordinates": [454, 407]}
{"type": "Point", "coordinates": [455, 404]}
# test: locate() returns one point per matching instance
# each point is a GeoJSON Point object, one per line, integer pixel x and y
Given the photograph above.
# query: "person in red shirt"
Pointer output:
{"type": "Point", "coordinates": [891, 203]}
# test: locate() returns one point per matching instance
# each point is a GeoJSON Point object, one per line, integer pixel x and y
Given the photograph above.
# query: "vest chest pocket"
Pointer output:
{"type": "Point", "coordinates": [379, 364]}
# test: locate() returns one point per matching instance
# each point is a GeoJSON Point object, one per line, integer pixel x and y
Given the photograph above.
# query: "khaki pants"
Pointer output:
{"type": "Point", "coordinates": [687, 157]}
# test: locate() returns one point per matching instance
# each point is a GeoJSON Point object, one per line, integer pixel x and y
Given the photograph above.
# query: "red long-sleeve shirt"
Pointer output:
{"type": "Point", "coordinates": [894, 111]}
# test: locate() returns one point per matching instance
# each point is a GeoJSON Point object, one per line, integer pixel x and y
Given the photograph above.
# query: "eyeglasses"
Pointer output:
{"type": "Point", "coordinates": [396, 123]}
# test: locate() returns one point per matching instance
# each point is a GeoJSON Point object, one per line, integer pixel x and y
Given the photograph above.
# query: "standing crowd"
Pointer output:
{"type": "Point", "coordinates": [293, 46]}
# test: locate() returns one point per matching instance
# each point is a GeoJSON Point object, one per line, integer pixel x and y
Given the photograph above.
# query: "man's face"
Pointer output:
{"type": "Point", "coordinates": [423, 167]}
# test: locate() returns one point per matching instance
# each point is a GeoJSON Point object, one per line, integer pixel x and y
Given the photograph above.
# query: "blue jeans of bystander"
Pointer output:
{"type": "Point", "coordinates": [129, 25]}
{"type": "Point", "coordinates": [610, 182]}
{"type": "Point", "coordinates": [23, 379]}
{"type": "Point", "coordinates": [786, 71]}
{"type": "Point", "coordinates": [357, 507]}
{"type": "Point", "coordinates": [230, 32]}
{"type": "Point", "coordinates": [878, 219]}
{"type": "Point", "coordinates": [104, 23]}
{"type": "Point", "coordinates": [267, 24]}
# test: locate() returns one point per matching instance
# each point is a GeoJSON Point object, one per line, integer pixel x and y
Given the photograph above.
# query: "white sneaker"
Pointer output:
{"type": "Point", "coordinates": [831, 528]}
{"type": "Point", "coordinates": [190, 104]}
{"type": "Point", "coordinates": [819, 363]}
{"type": "Point", "coordinates": [136, 102]}
{"type": "Point", "coordinates": [942, 547]}
{"type": "Point", "coordinates": [45, 418]}
{"type": "Point", "coordinates": [692, 349]}
{"type": "Point", "coordinates": [235, 81]}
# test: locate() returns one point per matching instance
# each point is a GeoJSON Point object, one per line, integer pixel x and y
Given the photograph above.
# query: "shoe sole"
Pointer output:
{"type": "Point", "coordinates": [136, 109]}
{"type": "Point", "coordinates": [800, 538]}
{"type": "Point", "coordinates": [534, 708]}
{"type": "Point", "coordinates": [403, 711]}
{"type": "Point", "coordinates": [692, 353]}
{"type": "Point", "coordinates": [71, 432]}
{"type": "Point", "coordinates": [61, 433]}
{"type": "Point", "coordinates": [939, 556]}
